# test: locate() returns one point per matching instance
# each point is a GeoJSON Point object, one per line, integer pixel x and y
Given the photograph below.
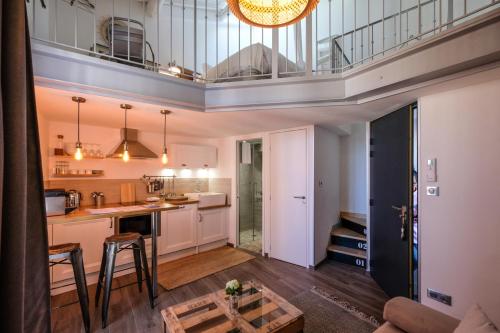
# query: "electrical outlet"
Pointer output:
{"type": "Point", "coordinates": [440, 297]}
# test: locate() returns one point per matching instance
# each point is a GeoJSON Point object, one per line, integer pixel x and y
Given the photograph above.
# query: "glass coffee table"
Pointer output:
{"type": "Point", "coordinates": [259, 310]}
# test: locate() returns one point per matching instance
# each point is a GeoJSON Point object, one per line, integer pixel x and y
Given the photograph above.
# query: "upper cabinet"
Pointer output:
{"type": "Point", "coordinates": [192, 156]}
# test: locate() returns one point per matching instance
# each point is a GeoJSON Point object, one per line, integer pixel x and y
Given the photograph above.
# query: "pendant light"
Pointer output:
{"type": "Point", "coordinates": [164, 156]}
{"type": "Point", "coordinates": [271, 13]}
{"type": "Point", "coordinates": [125, 155]}
{"type": "Point", "coordinates": [78, 146]}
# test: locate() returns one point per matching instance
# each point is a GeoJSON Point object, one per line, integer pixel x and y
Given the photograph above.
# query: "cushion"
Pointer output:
{"type": "Point", "coordinates": [476, 321]}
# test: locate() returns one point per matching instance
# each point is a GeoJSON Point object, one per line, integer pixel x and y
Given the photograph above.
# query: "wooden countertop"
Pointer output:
{"type": "Point", "coordinates": [82, 214]}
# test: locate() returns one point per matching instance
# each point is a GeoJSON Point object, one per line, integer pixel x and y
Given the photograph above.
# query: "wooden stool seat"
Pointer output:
{"type": "Point", "coordinates": [63, 248]}
{"type": "Point", "coordinates": [123, 238]}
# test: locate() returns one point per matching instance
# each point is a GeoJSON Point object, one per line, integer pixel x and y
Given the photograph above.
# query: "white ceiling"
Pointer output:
{"type": "Point", "coordinates": [105, 111]}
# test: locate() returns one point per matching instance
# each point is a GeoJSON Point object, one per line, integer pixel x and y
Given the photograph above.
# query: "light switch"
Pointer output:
{"type": "Point", "coordinates": [431, 171]}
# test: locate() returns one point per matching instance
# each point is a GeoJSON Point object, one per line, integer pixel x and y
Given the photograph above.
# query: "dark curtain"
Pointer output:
{"type": "Point", "coordinates": [24, 273]}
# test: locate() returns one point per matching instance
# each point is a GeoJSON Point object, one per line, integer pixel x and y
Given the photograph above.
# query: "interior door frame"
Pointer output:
{"type": "Point", "coordinates": [264, 191]}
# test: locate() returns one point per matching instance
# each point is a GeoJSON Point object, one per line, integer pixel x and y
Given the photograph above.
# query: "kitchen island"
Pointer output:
{"type": "Point", "coordinates": [117, 211]}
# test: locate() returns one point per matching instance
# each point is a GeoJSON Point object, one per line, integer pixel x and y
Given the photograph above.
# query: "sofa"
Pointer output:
{"type": "Point", "coordinates": [404, 315]}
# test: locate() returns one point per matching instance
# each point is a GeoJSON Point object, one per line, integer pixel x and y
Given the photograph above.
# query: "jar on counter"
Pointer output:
{"type": "Point", "coordinates": [98, 198]}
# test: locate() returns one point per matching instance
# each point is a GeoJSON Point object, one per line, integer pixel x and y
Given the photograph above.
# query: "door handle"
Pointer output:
{"type": "Point", "coordinates": [402, 215]}
{"type": "Point", "coordinates": [299, 197]}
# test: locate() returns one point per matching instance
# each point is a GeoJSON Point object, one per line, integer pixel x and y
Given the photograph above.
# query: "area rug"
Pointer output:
{"type": "Point", "coordinates": [182, 271]}
{"type": "Point", "coordinates": [326, 313]}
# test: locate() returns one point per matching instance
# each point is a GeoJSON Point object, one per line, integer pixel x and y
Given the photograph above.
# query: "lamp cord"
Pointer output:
{"type": "Point", "coordinates": [126, 125]}
{"type": "Point", "coordinates": [164, 131]}
{"type": "Point", "coordinates": [78, 127]}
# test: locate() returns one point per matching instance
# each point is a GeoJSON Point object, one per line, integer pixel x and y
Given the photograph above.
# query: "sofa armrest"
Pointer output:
{"type": "Point", "coordinates": [413, 317]}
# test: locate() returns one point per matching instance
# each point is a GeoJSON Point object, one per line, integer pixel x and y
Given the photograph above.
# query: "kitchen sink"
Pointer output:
{"type": "Point", "coordinates": [208, 199]}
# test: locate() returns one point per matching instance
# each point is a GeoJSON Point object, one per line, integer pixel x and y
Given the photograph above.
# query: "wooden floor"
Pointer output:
{"type": "Point", "coordinates": [129, 310]}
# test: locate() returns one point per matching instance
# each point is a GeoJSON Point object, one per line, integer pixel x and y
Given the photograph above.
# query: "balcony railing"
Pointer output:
{"type": "Point", "coordinates": [201, 40]}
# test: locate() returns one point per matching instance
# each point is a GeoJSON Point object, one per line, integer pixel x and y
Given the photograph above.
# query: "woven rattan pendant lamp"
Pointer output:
{"type": "Point", "coordinates": [271, 13]}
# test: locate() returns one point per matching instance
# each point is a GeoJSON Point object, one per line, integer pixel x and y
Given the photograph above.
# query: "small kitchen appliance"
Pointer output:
{"type": "Point", "coordinates": [73, 198]}
{"type": "Point", "coordinates": [55, 202]}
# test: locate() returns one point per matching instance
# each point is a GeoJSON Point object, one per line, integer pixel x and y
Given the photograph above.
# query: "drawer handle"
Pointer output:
{"type": "Point", "coordinates": [200, 217]}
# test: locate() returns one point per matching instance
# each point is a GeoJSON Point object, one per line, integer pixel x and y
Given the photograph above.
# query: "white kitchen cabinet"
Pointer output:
{"type": "Point", "coordinates": [212, 225]}
{"type": "Point", "coordinates": [192, 156]}
{"type": "Point", "coordinates": [90, 234]}
{"type": "Point", "coordinates": [178, 229]}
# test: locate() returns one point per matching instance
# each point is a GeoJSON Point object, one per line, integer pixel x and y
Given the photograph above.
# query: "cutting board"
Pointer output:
{"type": "Point", "coordinates": [127, 193]}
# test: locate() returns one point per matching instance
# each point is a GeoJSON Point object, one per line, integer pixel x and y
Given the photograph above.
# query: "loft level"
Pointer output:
{"type": "Point", "coordinates": [200, 40]}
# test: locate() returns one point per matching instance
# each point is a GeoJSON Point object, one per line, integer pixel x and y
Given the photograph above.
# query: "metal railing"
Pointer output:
{"type": "Point", "coordinates": [201, 40]}
{"type": "Point", "coordinates": [378, 34]}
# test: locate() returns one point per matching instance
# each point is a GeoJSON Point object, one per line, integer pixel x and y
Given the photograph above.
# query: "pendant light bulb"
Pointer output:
{"type": "Point", "coordinates": [125, 155]}
{"type": "Point", "coordinates": [78, 147]}
{"type": "Point", "coordinates": [78, 152]}
{"type": "Point", "coordinates": [164, 156]}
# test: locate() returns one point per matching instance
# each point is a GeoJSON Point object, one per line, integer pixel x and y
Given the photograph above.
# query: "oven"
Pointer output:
{"type": "Point", "coordinates": [138, 223]}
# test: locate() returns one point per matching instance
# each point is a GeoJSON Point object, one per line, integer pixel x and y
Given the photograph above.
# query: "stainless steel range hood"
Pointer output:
{"type": "Point", "coordinates": [135, 149]}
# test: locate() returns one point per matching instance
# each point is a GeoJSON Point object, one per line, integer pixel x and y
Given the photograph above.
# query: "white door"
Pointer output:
{"type": "Point", "coordinates": [288, 196]}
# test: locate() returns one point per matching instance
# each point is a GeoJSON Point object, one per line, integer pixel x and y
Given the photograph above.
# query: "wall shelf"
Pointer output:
{"type": "Point", "coordinates": [70, 157]}
{"type": "Point", "coordinates": [94, 175]}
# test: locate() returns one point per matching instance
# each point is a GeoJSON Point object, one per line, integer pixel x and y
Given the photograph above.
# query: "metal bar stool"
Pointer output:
{"type": "Point", "coordinates": [113, 245]}
{"type": "Point", "coordinates": [72, 252]}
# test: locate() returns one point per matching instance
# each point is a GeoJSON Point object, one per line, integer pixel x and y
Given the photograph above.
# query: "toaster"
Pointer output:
{"type": "Point", "coordinates": [55, 202]}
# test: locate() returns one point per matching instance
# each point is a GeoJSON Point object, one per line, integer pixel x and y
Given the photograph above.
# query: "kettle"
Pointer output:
{"type": "Point", "coordinates": [73, 198]}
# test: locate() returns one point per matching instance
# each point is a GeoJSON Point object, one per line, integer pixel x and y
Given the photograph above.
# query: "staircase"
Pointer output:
{"type": "Point", "coordinates": [348, 240]}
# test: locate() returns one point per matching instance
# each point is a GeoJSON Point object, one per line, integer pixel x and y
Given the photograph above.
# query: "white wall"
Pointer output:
{"type": "Point", "coordinates": [460, 229]}
{"type": "Point", "coordinates": [326, 189]}
{"type": "Point", "coordinates": [43, 132]}
{"type": "Point", "coordinates": [109, 138]}
{"type": "Point", "coordinates": [353, 170]}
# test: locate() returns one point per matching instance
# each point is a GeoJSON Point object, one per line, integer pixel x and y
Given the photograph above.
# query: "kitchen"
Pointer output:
{"type": "Point", "coordinates": [102, 194]}
{"type": "Point", "coordinates": [107, 153]}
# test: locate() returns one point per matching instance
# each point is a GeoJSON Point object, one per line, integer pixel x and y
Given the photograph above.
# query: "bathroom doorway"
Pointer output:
{"type": "Point", "coordinates": [250, 195]}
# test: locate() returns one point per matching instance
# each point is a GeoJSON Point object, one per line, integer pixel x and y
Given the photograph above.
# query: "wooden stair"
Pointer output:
{"type": "Point", "coordinates": [348, 240]}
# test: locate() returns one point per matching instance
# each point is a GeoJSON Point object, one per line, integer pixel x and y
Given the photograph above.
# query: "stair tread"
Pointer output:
{"type": "Point", "coordinates": [347, 250]}
{"type": "Point", "coordinates": [348, 233]}
{"type": "Point", "coordinates": [354, 217]}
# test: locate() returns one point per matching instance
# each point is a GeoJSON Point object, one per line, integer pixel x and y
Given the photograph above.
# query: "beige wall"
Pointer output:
{"type": "Point", "coordinates": [460, 229]}
{"type": "Point", "coordinates": [353, 170]}
{"type": "Point", "coordinates": [327, 195]}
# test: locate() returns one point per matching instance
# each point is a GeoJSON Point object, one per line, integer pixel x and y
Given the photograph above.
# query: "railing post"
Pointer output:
{"type": "Point", "coordinates": [316, 39]}
{"type": "Point", "coordinates": [309, 46]}
{"type": "Point", "coordinates": [354, 38]}
{"type": "Point", "coordinates": [330, 44]}
{"type": "Point", "coordinates": [343, 42]}
{"type": "Point", "coordinates": [383, 27]}
{"type": "Point", "coordinates": [275, 52]}
{"type": "Point", "coordinates": [195, 39]}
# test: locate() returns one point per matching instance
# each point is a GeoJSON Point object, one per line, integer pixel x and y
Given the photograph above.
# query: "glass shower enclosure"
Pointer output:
{"type": "Point", "coordinates": [250, 195]}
